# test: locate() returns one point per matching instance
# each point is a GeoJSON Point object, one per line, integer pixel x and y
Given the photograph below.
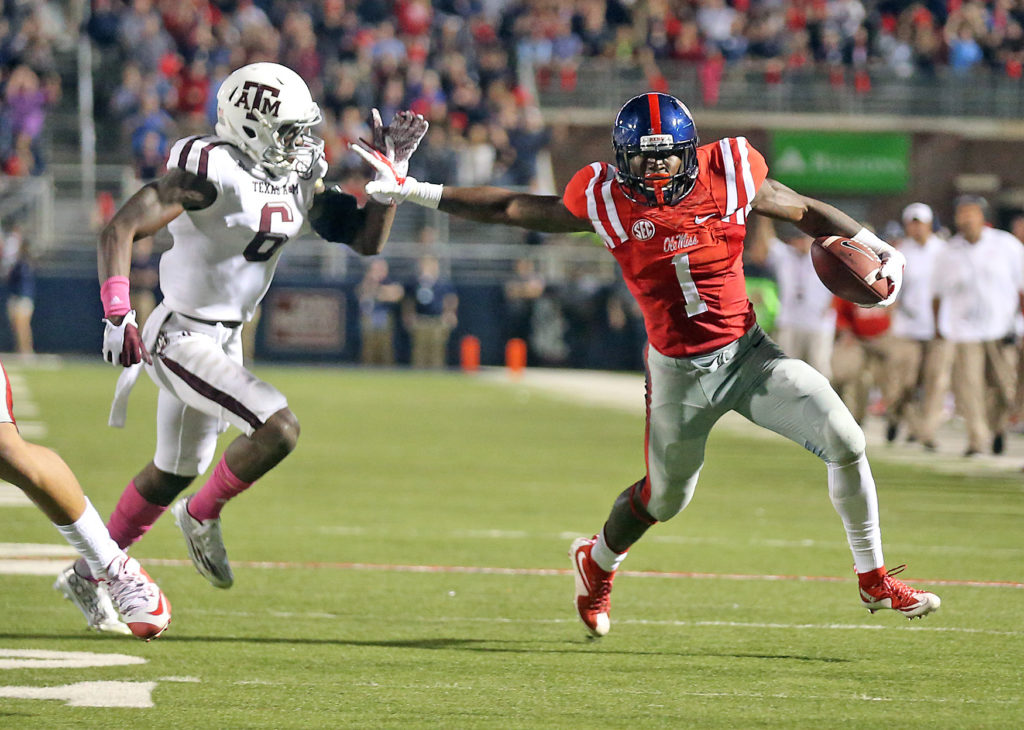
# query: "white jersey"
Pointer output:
{"type": "Point", "coordinates": [224, 256]}
{"type": "Point", "coordinates": [804, 302]}
{"type": "Point", "coordinates": [979, 286]}
{"type": "Point", "coordinates": [913, 317]}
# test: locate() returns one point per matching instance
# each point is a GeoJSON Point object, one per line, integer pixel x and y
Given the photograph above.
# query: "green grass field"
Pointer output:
{"type": "Point", "coordinates": [401, 469]}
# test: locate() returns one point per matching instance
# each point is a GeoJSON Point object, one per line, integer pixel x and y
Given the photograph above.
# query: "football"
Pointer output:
{"type": "Point", "coordinates": [849, 269]}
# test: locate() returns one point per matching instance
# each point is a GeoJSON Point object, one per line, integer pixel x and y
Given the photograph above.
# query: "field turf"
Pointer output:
{"type": "Point", "coordinates": [347, 610]}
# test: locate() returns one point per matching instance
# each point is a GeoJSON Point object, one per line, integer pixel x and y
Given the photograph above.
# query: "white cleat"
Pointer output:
{"type": "Point", "coordinates": [90, 598]}
{"type": "Point", "coordinates": [205, 545]}
{"type": "Point", "coordinates": [139, 600]}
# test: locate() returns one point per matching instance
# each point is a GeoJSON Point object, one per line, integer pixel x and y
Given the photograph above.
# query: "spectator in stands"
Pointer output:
{"type": "Point", "coordinates": [430, 314]}
{"type": "Point", "coordinates": [26, 99]}
{"type": "Point", "coordinates": [911, 357]}
{"type": "Point", "coordinates": [977, 290]}
{"type": "Point", "coordinates": [378, 297]}
{"type": "Point", "coordinates": [21, 292]}
{"type": "Point", "coordinates": [521, 294]}
{"type": "Point", "coordinates": [151, 121]}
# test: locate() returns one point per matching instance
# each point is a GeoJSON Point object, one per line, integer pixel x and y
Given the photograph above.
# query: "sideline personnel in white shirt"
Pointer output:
{"type": "Point", "coordinates": [911, 358]}
{"type": "Point", "coordinates": [977, 292]}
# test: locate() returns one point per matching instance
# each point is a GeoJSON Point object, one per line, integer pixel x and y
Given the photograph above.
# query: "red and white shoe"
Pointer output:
{"type": "Point", "coordinates": [593, 587]}
{"type": "Point", "coordinates": [878, 589]}
{"type": "Point", "coordinates": [138, 599]}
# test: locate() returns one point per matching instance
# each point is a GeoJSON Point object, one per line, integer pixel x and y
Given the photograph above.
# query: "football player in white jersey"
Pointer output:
{"type": "Point", "coordinates": [231, 202]}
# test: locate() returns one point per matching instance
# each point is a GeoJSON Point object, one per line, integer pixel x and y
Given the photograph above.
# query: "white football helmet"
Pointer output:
{"type": "Point", "coordinates": [266, 110]}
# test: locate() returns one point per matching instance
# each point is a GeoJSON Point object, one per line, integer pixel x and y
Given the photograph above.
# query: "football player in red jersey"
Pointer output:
{"type": "Point", "coordinates": [674, 214]}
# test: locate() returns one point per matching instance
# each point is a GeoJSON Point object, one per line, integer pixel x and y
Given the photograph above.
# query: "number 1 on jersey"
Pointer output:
{"type": "Point", "coordinates": [694, 304]}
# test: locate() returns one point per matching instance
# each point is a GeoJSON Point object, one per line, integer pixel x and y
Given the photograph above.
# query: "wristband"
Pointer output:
{"type": "Point", "coordinates": [422, 193]}
{"type": "Point", "coordinates": [872, 241]}
{"type": "Point", "coordinates": [114, 295]}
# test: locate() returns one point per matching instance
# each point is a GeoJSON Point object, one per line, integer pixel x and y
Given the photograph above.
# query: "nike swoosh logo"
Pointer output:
{"type": "Point", "coordinates": [698, 219]}
{"type": "Point", "coordinates": [581, 570]}
{"type": "Point", "coordinates": [160, 609]}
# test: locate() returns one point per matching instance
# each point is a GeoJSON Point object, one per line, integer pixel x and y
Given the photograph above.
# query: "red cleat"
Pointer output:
{"type": "Point", "coordinates": [593, 587]}
{"type": "Point", "coordinates": [878, 589]}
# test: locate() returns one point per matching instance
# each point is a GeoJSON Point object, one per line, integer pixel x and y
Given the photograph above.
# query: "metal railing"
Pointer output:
{"type": "Point", "coordinates": [606, 85]}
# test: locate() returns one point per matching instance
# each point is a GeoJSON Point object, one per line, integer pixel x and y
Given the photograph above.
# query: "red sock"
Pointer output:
{"type": "Point", "coordinates": [132, 517]}
{"type": "Point", "coordinates": [222, 486]}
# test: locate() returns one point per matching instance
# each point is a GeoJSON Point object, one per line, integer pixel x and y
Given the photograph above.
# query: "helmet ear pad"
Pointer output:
{"type": "Point", "coordinates": [657, 125]}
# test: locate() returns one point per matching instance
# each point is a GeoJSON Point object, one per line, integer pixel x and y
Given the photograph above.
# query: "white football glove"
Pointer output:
{"type": "Point", "coordinates": [395, 143]}
{"type": "Point", "coordinates": [122, 343]}
{"type": "Point", "coordinates": [893, 263]}
{"type": "Point", "coordinates": [389, 187]}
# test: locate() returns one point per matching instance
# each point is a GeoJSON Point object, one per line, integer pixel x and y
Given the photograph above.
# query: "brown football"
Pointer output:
{"type": "Point", "coordinates": [849, 269]}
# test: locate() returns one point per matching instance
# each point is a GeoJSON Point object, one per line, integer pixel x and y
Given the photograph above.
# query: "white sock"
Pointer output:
{"type": "Point", "coordinates": [88, 535]}
{"type": "Point", "coordinates": [852, 490]}
{"type": "Point", "coordinates": [606, 558]}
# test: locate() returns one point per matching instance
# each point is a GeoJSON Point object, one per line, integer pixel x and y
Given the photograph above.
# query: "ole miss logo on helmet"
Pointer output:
{"type": "Point", "coordinates": [264, 99]}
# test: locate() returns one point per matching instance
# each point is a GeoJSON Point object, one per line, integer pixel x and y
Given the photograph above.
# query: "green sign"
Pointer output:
{"type": "Point", "coordinates": [841, 162]}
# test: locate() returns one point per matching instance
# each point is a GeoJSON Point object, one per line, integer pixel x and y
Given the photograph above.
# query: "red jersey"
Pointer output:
{"type": "Point", "coordinates": [863, 322]}
{"type": "Point", "coordinates": [683, 263]}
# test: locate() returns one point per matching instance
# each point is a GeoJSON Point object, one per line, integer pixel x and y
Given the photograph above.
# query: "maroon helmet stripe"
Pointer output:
{"type": "Point", "coordinates": [210, 392]}
{"type": "Point", "coordinates": [204, 157]}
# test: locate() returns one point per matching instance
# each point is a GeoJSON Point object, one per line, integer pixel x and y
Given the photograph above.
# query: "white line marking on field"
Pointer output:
{"type": "Point", "coordinates": [35, 550]}
{"type": "Point", "coordinates": [11, 496]}
{"type": "Point", "coordinates": [43, 659]}
{"type": "Point", "coordinates": [902, 626]}
{"type": "Point", "coordinates": [180, 679]}
{"type": "Point", "coordinates": [89, 694]}
{"type": "Point", "coordinates": [796, 544]}
{"type": "Point", "coordinates": [32, 567]}
{"type": "Point", "coordinates": [23, 564]}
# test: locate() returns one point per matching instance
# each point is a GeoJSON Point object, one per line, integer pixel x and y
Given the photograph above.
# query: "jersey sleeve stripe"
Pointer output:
{"type": "Point", "coordinates": [729, 167]}
{"type": "Point", "coordinates": [204, 158]}
{"type": "Point", "coordinates": [748, 178]}
{"type": "Point", "coordinates": [592, 213]}
{"type": "Point", "coordinates": [186, 150]}
{"type": "Point", "coordinates": [613, 212]}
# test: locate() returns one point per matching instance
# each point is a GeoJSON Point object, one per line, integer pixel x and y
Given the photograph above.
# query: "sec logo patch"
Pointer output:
{"type": "Point", "coordinates": [643, 230]}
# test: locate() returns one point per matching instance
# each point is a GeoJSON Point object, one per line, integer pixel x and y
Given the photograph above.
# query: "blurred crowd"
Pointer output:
{"type": "Point", "coordinates": [455, 61]}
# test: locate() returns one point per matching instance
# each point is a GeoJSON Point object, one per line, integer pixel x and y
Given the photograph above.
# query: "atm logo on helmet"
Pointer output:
{"type": "Point", "coordinates": [264, 100]}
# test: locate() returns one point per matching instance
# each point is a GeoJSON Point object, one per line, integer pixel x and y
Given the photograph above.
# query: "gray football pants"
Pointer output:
{"type": "Point", "coordinates": [752, 376]}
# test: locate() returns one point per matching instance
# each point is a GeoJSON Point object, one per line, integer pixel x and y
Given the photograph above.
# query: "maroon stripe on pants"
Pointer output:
{"type": "Point", "coordinates": [210, 392]}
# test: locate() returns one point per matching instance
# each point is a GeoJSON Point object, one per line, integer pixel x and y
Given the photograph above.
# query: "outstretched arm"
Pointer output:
{"type": "Point", "coordinates": [811, 216]}
{"type": "Point", "coordinates": [336, 216]}
{"type": "Point", "coordinates": [497, 205]}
